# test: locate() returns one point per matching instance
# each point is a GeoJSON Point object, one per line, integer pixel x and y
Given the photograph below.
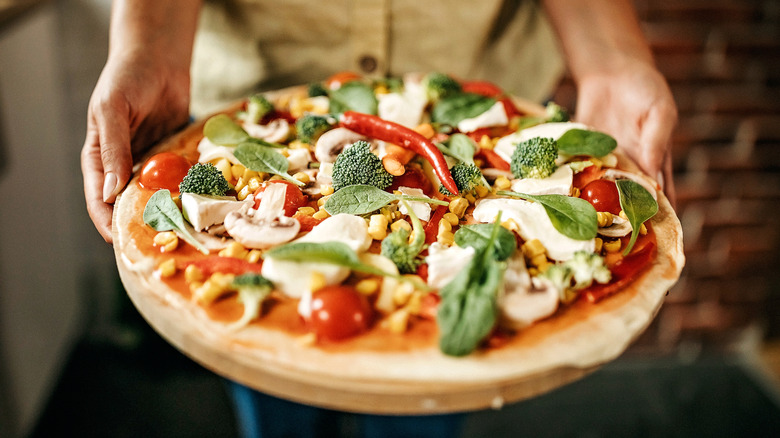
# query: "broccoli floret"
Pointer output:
{"type": "Point", "coordinates": [397, 248]}
{"type": "Point", "coordinates": [439, 85]}
{"type": "Point", "coordinates": [257, 108]}
{"type": "Point", "coordinates": [317, 89]}
{"type": "Point", "coordinates": [310, 127]}
{"type": "Point", "coordinates": [467, 177]}
{"type": "Point", "coordinates": [204, 179]}
{"type": "Point", "coordinates": [534, 158]}
{"type": "Point", "coordinates": [357, 165]}
{"type": "Point", "coordinates": [556, 113]}
{"type": "Point", "coordinates": [252, 289]}
{"type": "Point", "coordinates": [578, 273]}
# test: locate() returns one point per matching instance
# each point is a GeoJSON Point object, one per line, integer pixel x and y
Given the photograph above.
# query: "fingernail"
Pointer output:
{"type": "Point", "coordinates": [109, 186]}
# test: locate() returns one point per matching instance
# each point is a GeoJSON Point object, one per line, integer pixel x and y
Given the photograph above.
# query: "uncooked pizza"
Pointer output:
{"type": "Point", "coordinates": [406, 245]}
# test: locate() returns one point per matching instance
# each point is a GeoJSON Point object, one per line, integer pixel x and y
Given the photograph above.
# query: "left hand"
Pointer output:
{"type": "Point", "coordinates": [633, 104]}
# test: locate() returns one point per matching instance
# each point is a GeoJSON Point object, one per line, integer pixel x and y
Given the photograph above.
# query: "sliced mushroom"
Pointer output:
{"type": "Point", "coordinates": [331, 143]}
{"type": "Point", "coordinates": [254, 231]}
{"type": "Point", "coordinates": [525, 299]}
{"type": "Point", "coordinates": [619, 228]}
{"type": "Point", "coordinates": [275, 131]}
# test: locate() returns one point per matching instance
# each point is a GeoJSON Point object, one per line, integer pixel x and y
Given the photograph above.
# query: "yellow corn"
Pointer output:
{"type": "Point", "coordinates": [470, 197]}
{"type": "Point", "coordinates": [533, 248]}
{"type": "Point", "coordinates": [217, 285]}
{"type": "Point", "coordinates": [599, 245]}
{"type": "Point", "coordinates": [623, 215]}
{"type": "Point", "coordinates": [368, 286]}
{"type": "Point", "coordinates": [604, 218]}
{"type": "Point", "coordinates": [377, 226]}
{"type": "Point", "coordinates": [317, 281]}
{"type": "Point", "coordinates": [482, 191]}
{"type": "Point", "coordinates": [642, 229]}
{"type": "Point", "coordinates": [308, 211]}
{"type": "Point", "coordinates": [237, 170]}
{"type": "Point", "coordinates": [451, 218]}
{"type": "Point", "coordinates": [612, 245]}
{"type": "Point", "coordinates": [240, 183]}
{"type": "Point", "coordinates": [193, 274]}
{"type": "Point", "coordinates": [302, 177]}
{"type": "Point", "coordinates": [502, 183]}
{"type": "Point", "coordinates": [444, 226]}
{"type": "Point", "coordinates": [249, 174]}
{"type": "Point", "coordinates": [401, 223]}
{"type": "Point", "coordinates": [223, 165]}
{"type": "Point", "coordinates": [254, 183]}
{"type": "Point", "coordinates": [254, 256]}
{"type": "Point", "coordinates": [167, 268]}
{"type": "Point", "coordinates": [414, 304]}
{"type": "Point", "coordinates": [326, 190]}
{"type": "Point", "coordinates": [511, 225]}
{"type": "Point", "coordinates": [244, 192]}
{"type": "Point", "coordinates": [321, 214]}
{"type": "Point", "coordinates": [539, 260]}
{"type": "Point", "coordinates": [446, 238]}
{"type": "Point", "coordinates": [235, 250]}
{"type": "Point", "coordinates": [486, 142]}
{"type": "Point", "coordinates": [575, 192]}
{"type": "Point", "coordinates": [458, 206]}
{"type": "Point", "coordinates": [167, 241]}
{"type": "Point", "coordinates": [398, 321]}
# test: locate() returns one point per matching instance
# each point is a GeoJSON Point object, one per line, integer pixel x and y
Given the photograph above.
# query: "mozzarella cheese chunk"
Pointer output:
{"type": "Point", "coordinates": [405, 109]}
{"type": "Point", "coordinates": [209, 151]}
{"type": "Point", "coordinates": [421, 209]}
{"type": "Point", "coordinates": [445, 262]}
{"type": "Point", "coordinates": [533, 223]}
{"type": "Point", "coordinates": [506, 145]}
{"type": "Point", "coordinates": [203, 211]}
{"type": "Point", "coordinates": [559, 183]}
{"type": "Point", "coordinates": [344, 228]}
{"type": "Point", "coordinates": [298, 159]}
{"type": "Point", "coordinates": [495, 116]}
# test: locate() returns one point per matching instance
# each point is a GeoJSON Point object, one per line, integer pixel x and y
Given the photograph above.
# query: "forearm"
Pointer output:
{"type": "Point", "coordinates": [161, 29]}
{"type": "Point", "coordinates": [598, 35]}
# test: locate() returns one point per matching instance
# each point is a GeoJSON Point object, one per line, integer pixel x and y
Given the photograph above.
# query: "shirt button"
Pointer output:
{"type": "Point", "coordinates": [367, 63]}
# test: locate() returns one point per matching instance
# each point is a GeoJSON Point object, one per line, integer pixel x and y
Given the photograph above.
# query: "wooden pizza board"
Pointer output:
{"type": "Point", "coordinates": [408, 381]}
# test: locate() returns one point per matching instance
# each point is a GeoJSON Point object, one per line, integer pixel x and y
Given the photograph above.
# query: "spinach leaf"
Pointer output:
{"type": "Point", "coordinates": [572, 217]}
{"type": "Point", "coordinates": [468, 308]}
{"type": "Point", "coordinates": [478, 235]}
{"type": "Point", "coordinates": [353, 96]}
{"type": "Point", "coordinates": [638, 204]}
{"type": "Point", "coordinates": [162, 214]}
{"type": "Point", "coordinates": [263, 159]}
{"type": "Point", "coordinates": [459, 106]}
{"type": "Point", "coordinates": [362, 199]}
{"type": "Point", "coordinates": [460, 147]}
{"type": "Point", "coordinates": [224, 131]}
{"type": "Point", "coordinates": [585, 142]}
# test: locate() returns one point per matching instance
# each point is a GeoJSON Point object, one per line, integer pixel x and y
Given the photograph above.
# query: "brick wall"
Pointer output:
{"type": "Point", "coordinates": [722, 60]}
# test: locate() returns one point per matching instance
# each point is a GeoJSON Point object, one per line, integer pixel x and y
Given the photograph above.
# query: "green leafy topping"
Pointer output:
{"type": "Point", "coordinates": [362, 199]}
{"type": "Point", "coordinates": [264, 159]}
{"type": "Point", "coordinates": [452, 109]}
{"type": "Point", "coordinates": [477, 236]}
{"type": "Point", "coordinates": [572, 217]}
{"type": "Point", "coordinates": [162, 214]}
{"type": "Point", "coordinates": [585, 142]}
{"type": "Point", "coordinates": [638, 204]}
{"type": "Point", "coordinates": [353, 96]}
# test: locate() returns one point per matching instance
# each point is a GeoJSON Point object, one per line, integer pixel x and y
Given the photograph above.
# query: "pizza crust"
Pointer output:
{"type": "Point", "coordinates": [574, 342]}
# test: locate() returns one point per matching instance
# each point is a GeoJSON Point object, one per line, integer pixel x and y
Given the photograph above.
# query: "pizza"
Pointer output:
{"type": "Point", "coordinates": [408, 245]}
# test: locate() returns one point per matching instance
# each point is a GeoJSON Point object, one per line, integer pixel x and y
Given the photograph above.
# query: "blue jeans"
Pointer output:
{"type": "Point", "coordinates": [263, 416]}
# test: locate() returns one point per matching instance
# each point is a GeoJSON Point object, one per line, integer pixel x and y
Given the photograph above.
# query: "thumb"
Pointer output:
{"type": "Point", "coordinates": [114, 133]}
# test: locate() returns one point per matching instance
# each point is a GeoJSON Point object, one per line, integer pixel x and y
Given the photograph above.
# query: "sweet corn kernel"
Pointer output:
{"type": "Point", "coordinates": [401, 223]}
{"type": "Point", "coordinates": [458, 206]}
{"type": "Point", "coordinates": [249, 174]}
{"type": "Point", "coordinates": [368, 286]}
{"type": "Point", "coordinates": [317, 281]}
{"type": "Point", "coordinates": [276, 178]}
{"type": "Point", "coordinates": [237, 170]}
{"type": "Point", "coordinates": [414, 304]}
{"type": "Point", "coordinates": [240, 183]}
{"type": "Point", "coordinates": [599, 244]}
{"type": "Point", "coordinates": [235, 250]}
{"type": "Point", "coordinates": [539, 260]}
{"type": "Point", "coordinates": [398, 321]}
{"type": "Point", "coordinates": [167, 268]}
{"type": "Point", "coordinates": [254, 183]}
{"type": "Point", "coordinates": [533, 248]}
{"type": "Point", "coordinates": [377, 226]}
{"type": "Point", "coordinates": [254, 256]}
{"type": "Point", "coordinates": [223, 165]}
{"type": "Point", "coordinates": [244, 192]}
{"type": "Point", "coordinates": [604, 218]}
{"type": "Point", "coordinates": [575, 192]}
{"type": "Point", "coordinates": [326, 190]}
{"type": "Point", "coordinates": [612, 245]}
{"type": "Point", "coordinates": [502, 183]}
{"type": "Point", "coordinates": [307, 211]}
{"type": "Point", "coordinates": [302, 177]}
{"type": "Point", "coordinates": [381, 89]}
{"type": "Point", "coordinates": [217, 285]}
{"type": "Point", "coordinates": [446, 238]}
{"type": "Point", "coordinates": [444, 225]}
{"type": "Point", "coordinates": [482, 191]}
{"type": "Point", "coordinates": [321, 214]}
{"type": "Point", "coordinates": [451, 218]}
{"type": "Point", "coordinates": [486, 142]}
{"type": "Point", "coordinates": [322, 200]}
{"type": "Point", "coordinates": [511, 225]}
{"type": "Point", "coordinates": [470, 197]}
{"type": "Point", "coordinates": [642, 229]}
{"type": "Point", "coordinates": [167, 241]}
{"type": "Point", "coordinates": [543, 266]}
{"type": "Point", "coordinates": [193, 274]}
{"type": "Point", "coordinates": [623, 215]}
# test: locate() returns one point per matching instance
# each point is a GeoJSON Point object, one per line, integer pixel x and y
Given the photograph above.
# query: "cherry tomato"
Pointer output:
{"type": "Point", "coordinates": [603, 195]}
{"type": "Point", "coordinates": [339, 312]}
{"type": "Point", "coordinates": [293, 197]}
{"type": "Point", "coordinates": [415, 178]}
{"type": "Point", "coordinates": [164, 171]}
{"type": "Point", "coordinates": [586, 175]}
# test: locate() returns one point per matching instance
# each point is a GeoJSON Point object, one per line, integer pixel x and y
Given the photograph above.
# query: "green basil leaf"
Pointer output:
{"type": "Point", "coordinates": [263, 159]}
{"type": "Point", "coordinates": [585, 142]}
{"type": "Point", "coordinates": [334, 253]}
{"type": "Point", "coordinates": [638, 204]}
{"type": "Point", "coordinates": [477, 236]}
{"type": "Point", "coordinates": [222, 130]}
{"type": "Point", "coordinates": [353, 96]}
{"type": "Point", "coordinates": [162, 214]}
{"type": "Point", "coordinates": [572, 217]}
{"type": "Point", "coordinates": [461, 147]}
{"type": "Point", "coordinates": [459, 106]}
{"type": "Point", "coordinates": [357, 199]}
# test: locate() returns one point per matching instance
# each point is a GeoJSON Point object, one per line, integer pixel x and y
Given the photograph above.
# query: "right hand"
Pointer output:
{"type": "Point", "coordinates": [138, 100]}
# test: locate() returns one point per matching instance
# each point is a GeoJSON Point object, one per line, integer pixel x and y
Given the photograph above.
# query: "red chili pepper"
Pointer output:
{"type": "Point", "coordinates": [375, 127]}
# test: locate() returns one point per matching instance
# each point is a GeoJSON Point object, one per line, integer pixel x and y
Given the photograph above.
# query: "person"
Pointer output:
{"type": "Point", "coordinates": [170, 60]}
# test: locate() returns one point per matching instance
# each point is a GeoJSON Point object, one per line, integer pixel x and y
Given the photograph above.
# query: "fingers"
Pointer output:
{"type": "Point", "coordinates": [668, 181]}
{"type": "Point", "coordinates": [92, 170]}
{"type": "Point", "coordinates": [113, 127]}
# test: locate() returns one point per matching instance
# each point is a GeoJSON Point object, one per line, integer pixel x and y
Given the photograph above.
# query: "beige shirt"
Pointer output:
{"type": "Point", "coordinates": [244, 46]}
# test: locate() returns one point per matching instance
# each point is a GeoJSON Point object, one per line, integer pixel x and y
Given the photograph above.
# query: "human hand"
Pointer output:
{"type": "Point", "coordinates": [633, 104]}
{"type": "Point", "coordinates": [137, 100]}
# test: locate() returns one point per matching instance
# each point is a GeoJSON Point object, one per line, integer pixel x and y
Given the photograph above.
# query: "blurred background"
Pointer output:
{"type": "Point", "coordinates": [76, 359]}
